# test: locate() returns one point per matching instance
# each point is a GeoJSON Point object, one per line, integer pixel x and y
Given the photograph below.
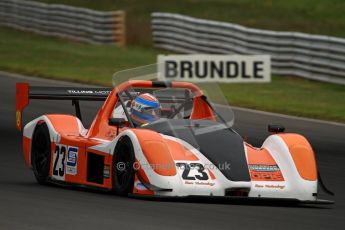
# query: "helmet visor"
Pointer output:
{"type": "Point", "coordinates": [156, 112]}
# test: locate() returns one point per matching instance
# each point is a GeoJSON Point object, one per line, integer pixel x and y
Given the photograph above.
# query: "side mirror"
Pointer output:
{"type": "Point", "coordinates": [119, 122]}
{"type": "Point", "coordinates": [276, 128]}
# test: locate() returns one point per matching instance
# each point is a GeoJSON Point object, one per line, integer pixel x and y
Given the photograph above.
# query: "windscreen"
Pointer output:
{"type": "Point", "coordinates": [182, 110]}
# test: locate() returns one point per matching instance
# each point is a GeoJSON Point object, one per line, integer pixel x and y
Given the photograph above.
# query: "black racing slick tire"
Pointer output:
{"type": "Point", "coordinates": [123, 170]}
{"type": "Point", "coordinates": [41, 153]}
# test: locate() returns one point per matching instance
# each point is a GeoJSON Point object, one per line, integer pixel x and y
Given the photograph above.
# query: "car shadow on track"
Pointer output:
{"type": "Point", "coordinates": [242, 201]}
{"type": "Point", "coordinates": [236, 201]}
{"type": "Point", "coordinates": [195, 199]}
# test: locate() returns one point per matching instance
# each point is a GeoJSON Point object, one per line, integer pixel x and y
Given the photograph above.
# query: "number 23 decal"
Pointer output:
{"type": "Point", "coordinates": [186, 167]}
{"type": "Point", "coordinates": [65, 161]}
{"type": "Point", "coordinates": [59, 161]}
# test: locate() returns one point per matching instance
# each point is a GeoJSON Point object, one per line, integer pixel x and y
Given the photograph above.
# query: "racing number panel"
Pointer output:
{"type": "Point", "coordinates": [71, 164]}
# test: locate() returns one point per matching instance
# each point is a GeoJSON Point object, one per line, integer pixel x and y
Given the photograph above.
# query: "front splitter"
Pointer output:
{"type": "Point", "coordinates": [235, 200]}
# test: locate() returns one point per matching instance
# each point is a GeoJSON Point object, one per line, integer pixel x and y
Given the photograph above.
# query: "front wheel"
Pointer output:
{"type": "Point", "coordinates": [40, 153]}
{"type": "Point", "coordinates": [123, 170]}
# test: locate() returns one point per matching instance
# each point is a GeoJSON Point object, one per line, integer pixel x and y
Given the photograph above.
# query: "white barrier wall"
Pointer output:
{"type": "Point", "coordinates": [64, 21]}
{"type": "Point", "coordinates": [310, 56]}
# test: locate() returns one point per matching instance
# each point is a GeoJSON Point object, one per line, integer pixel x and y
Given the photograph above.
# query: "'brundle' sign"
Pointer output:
{"type": "Point", "coordinates": [219, 68]}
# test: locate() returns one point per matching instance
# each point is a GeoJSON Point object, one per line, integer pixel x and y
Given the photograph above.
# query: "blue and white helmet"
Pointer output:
{"type": "Point", "coordinates": [145, 108]}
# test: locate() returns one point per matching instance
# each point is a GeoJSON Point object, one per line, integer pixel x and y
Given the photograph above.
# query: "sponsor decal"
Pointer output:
{"type": "Point", "coordinates": [202, 183]}
{"type": "Point", "coordinates": [270, 186]}
{"type": "Point", "coordinates": [215, 68]}
{"type": "Point", "coordinates": [275, 186]}
{"type": "Point", "coordinates": [72, 161]}
{"type": "Point", "coordinates": [258, 186]}
{"type": "Point", "coordinates": [264, 168]}
{"type": "Point", "coordinates": [106, 171]}
{"type": "Point", "coordinates": [259, 172]}
{"type": "Point", "coordinates": [105, 92]}
{"type": "Point", "coordinates": [18, 118]}
{"type": "Point", "coordinates": [140, 186]}
{"type": "Point", "coordinates": [76, 91]}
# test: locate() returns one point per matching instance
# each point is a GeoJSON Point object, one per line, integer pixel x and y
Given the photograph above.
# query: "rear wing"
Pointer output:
{"type": "Point", "coordinates": [25, 92]}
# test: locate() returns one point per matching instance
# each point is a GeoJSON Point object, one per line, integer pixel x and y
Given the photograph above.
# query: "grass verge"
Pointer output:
{"type": "Point", "coordinates": [60, 59]}
{"type": "Point", "coordinates": [291, 95]}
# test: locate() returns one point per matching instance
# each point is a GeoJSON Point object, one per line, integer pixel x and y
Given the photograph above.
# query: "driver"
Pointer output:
{"type": "Point", "coordinates": [145, 108]}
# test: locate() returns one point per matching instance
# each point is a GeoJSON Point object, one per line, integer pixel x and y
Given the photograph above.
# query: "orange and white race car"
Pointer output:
{"type": "Point", "coordinates": [162, 139]}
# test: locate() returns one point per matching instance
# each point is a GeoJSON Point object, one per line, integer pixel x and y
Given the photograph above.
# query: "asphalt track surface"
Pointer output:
{"type": "Point", "coordinates": [26, 205]}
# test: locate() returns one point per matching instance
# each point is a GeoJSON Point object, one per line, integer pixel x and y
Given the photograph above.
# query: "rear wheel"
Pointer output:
{"type": "Point", "coordinates": [123, 171]}
{"type": "Point", "coordinates": [40, 153]}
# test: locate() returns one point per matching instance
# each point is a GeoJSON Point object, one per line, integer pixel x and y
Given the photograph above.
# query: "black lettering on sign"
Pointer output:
{"type": "Point", "coordinates": [216, 70]}
{"type": "Point", "coordinates": [257, 68]}
{"type": "Point", "coordinates": [201, 69]}
{"type": "Point", "coordinates": [243, 70]}
{"type": "Point", "coordinates": [186, 69]}
{"type": "Point", "coordinates": [231, 69]}
{"type": "Point", "coordinates": [171, 69]}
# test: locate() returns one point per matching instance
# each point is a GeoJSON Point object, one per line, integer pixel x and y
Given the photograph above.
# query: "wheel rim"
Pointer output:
{"type": "Point", "coordinates": [123, 167]}
{"type": "Point", "coordinates": [41, 153]}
